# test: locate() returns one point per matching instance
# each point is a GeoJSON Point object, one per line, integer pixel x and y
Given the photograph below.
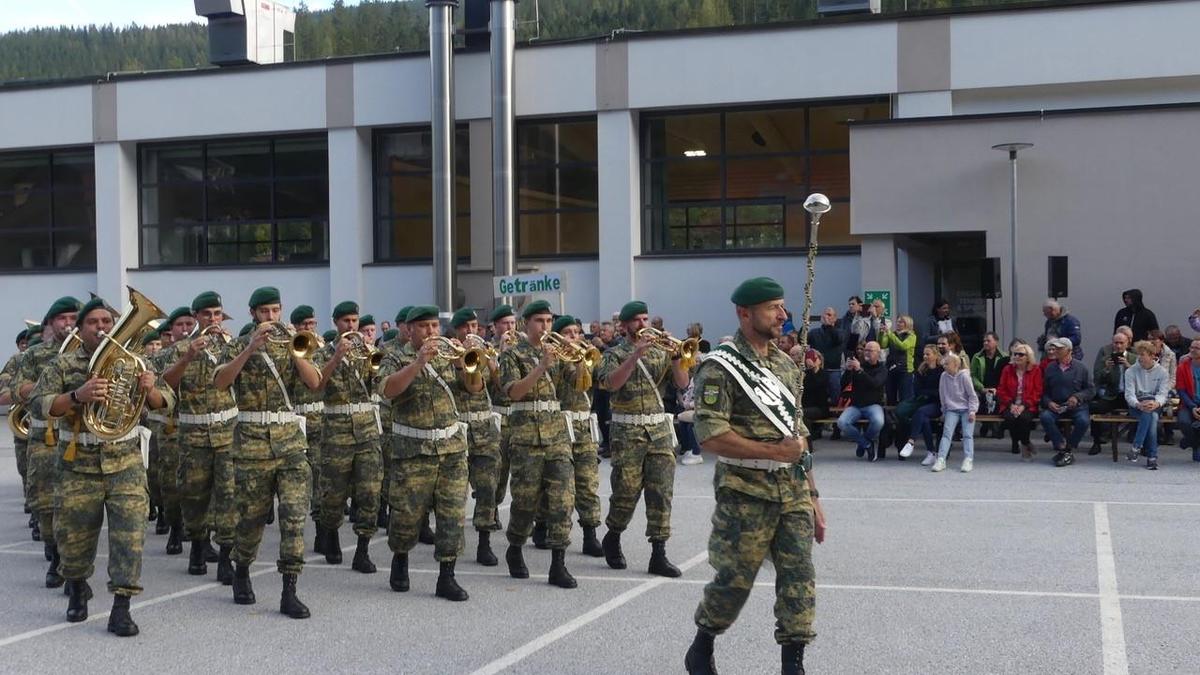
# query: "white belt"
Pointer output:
{"type": "Point", "coordinates": [578, 416]}
{"type": "Point", "coordinates": [210, 418]}
{"type": "Point", "coordinates": [426, 434]}
{"type": "Point", "coordinates": [268, 417]}
{"type": "Point", "coordinates": [305, 408]}
{"type": "Point", "coordinates": [641, 420]}
{"type": "Point", "coordinates": [376, 399]}
{"type": "Point", "coordinates": [479, 416]}
{"type": "Point", "coordinates": [91, 439]}
{"type": "Point", "coordinates": [582, 416]}
{"type": "Point", "coordinates": [157, 417]}
{"type": "Point", "coordinates": [502, 409]}
{"type": "Point", "coordinates": [763, 464]}
{"type": "Point", "coordinates": [536, 406]}
{"type": "Point", "coordinates": [349, 408]}
{"type": "Point", "coordinates": [38, 424]}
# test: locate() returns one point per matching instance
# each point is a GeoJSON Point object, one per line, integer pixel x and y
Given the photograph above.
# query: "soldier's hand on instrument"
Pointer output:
{"type": "Point", "coordinates": [261, 336]}
{"type": "Point", "coordinates": [93, 390]}
{"type": "Point", "coordinates": [427, 352]}
{"type": "Point", "coordinates": [548, 359]}
{"type": "Point", "coordinates": [343, 347]}
{"type": "Point", "coordinates": [642, 346]}
{"type": "Point", "coordinates": [146, 380]}
{"type": "Point", "coordinates": [197, 345]}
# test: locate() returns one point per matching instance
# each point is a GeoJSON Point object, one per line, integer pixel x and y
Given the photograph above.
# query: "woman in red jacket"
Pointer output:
{"type": "Point", "coordinates": [1019, 391]}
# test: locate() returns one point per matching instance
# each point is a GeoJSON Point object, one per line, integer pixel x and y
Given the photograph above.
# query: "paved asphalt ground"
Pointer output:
{"type": "Point", "coordinates": [1015, 568]}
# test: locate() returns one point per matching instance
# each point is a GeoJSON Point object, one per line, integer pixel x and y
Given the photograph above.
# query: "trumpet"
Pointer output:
{"type": "Point", "coordinates": [563, 349]}
{"type": "Point", "coordinates": [510, 338]}
{"type": "Point", "coordinates": [302, 344]}
{"type": "Point", "coordinates": [219, 338]}
{"type": "Point", "coordinates": [474, 342]}
{"type": "Point", "coordinates": [686, 350]}
{"type": "Point", "coordinates": [362, 351]}
{"type": "Point", "coordinates": [447, 349]}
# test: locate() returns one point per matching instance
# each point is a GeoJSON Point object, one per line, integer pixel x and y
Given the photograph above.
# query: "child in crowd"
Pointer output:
{"type": "Point", "coordinates": [959, 402]}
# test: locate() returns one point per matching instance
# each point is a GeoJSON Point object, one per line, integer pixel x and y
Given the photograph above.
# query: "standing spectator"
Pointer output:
{"type": "Point", "coordinates": [986, 366]}
{"type": "Point", "coordinates": [830, 340]}
{"type": "Point", "coordinates": [1173, 338]}
{"type": "Point", "coordinates": [856, 325]}
{"type": "Point", "coordinates": [1062, 325]}
{"type": "Point", "coordinates": [1019, 394]}
{"type": "Point", "coordinates": [959, 403]}
{"type": "Point", "coordinates": [901, 344]}
{"type": "Point", "coordinates": [954, 346]}
{"type": "Point", "coordinates": [816, 402]}
{"type": "Point", "coordinates": [1066, 390]}
{"type": "Point", "coordinates": [867, 379]}
{"type": "Point", "coordinates": [914, 416]}
{"type": "Point", "coordinates": [939, 322]}
{"type": "Point", "coordinates": [1109, 376]}
{"type": "Point", "coordinates": [1187, 384]}
{"type": "Point", "coordinates": [685, 426]}
{"type": "Point", "coordinates": [657, 323]}
{"type": "Point", "coordinates": [785, 342]}
{"type": "Point", "coordinates": [695, 330]}
{"type": "Point", "coordinates": [1194, 320]}
{"type": "Point", "coordinates": [593, 331]}
{"type": "Point", "coordinates": [1146, 387]}
{"type": "Point", "coordinates": [877, 316]}
{"type": "Point", "coordinates": [1135, 315]}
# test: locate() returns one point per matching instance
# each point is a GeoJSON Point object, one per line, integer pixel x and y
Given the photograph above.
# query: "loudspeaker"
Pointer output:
{"type": "Point", "coordinates": [1058, 277]}
{"type": "Point", "coordinates": [989, 278]}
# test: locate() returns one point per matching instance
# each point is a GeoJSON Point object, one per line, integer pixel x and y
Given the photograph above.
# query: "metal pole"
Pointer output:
{"type": "Point", "coordinates": [441, 82]}
{"type": "Point", "coordinates": [503, 41]}
{"type": "Point", "coordinates": [1012, 160]}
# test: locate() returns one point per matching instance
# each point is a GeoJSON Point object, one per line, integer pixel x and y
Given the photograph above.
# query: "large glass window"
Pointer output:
{"type": "Point", "coordinates": [235, 202]}
{"type": "Point", "coordinates": [48, 210]}
{"type": "Point", "coordinates": [557, 189]}
{"type": "Point", "coordinates": [404, 194]}
{"type": "Point", "coordinates": [737, 180]}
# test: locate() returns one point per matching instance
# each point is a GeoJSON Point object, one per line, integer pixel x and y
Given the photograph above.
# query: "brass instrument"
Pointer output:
{"type": "Point", "coordinates": [116, 362]}
{"type": "Point", "coordinates": [18, 420]}
{"type": "Point", "coordinates": [447, 348]}
{"type": "Point", "coordinates": [217, 335]}
{"type": "Point", "coordinates": [474, 342]}
{"type": "Point", "coordinates": [510, 338]}
{"type": "Point", "coordinates": [363, 353]}
{"type": "Point", "coordinates": [479, 355]}
{"type": "Point", "coordinates": [71, 342]}
{"type": "Point", "coordinates": [686, 350]}
{"type": "Point", "coordinates": [301, 344]}
{"type": "Point", "coordinates": [562, 348]}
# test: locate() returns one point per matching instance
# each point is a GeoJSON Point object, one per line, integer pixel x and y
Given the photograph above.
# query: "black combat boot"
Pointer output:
{"type": "Point", "coordinates": [591, 545]}
{"type": "Point", "coordinates": [447, 587]}
{"type": "Point", "coordinates": [53, 578]}
{"type": "Point", "coordinates": [658, 561]}
{"type": "Point", "coordinates": [76, 603]}
{"type": "Point", "coordinates": [399, 579]}
{"type": "Point", "coordinates": [319, 542]}
{"type": "Point", "coordinates": [289, 604]}
{"type": "Point", "coordinates": [699, 658]}
{"type": "Point", "coordinates": [426, 534]}
{"type": "Point", "coordinates": [210, 553]}
{"type": "Point", "coordinates": [243, 591]}
{"type": "Point", "coordinates": [196, 565]}
{"type": "Point", "coordinates": [87, 590]}
{"type": "Point", "coordinates": [333, 547]}
{"type": "Point", "coordinates": [539, 536]}
{"type": "Point", "coordinates": [483, 554]}
{"type": "Point", "coordinates": [47, 551]}
{"type": "Point", "coordinates": [160, 525]}
{"type": "Point", "coordinates": [792, 657]}
{"type": "Point", "coordinates": [152, 514]}
{"type": "Point", "coordinates": [120, 623]}
{"type": "Point", "coordinates": [362, 556]}
{"type": "Point", "coordinates": [36, 532]}
{"type": "Point", "coordinates": [516, 562]}
{"type": "Point", "coordinates": [381, 520]}
{"type": "Point", "coordinates": [559, 576]}
{"type": "Point", "coordinates": [612, 550]}
{"type": "Point", "coordinates": [271, 514]}
{"type": "Point", "coordinates": [224, 566]}
{"type": "Point", "coordinates": [174, 542]}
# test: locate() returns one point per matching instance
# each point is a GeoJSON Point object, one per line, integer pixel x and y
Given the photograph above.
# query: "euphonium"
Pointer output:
{"type": "Point", "coordinates": [18, 420]}
{"type": "Point", "coordinates": [686, 350]}
{"type": "Point", "coordinates": [115, 361]}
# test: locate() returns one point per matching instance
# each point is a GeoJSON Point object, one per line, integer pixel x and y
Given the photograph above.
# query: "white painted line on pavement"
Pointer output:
{"type": "Point", "coordinates": [1112, 628]}
{"type": "Point", "coordinates": [532, 647]}
{"type": "Point", "coordinates": [952, 500]}
{"type": "Point", "coordinates": [17, 543]}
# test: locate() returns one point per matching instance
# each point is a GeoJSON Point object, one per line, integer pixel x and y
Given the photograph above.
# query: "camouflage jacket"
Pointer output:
{"type": "Point", "coordinates": [426, 404]}
{"type": "Point", "coordinates": [34, 362]}
{"type": "Point", "coordinates": [10, 370]}
{"type": "Point", "coordinates": [571, 399]}
{"type": "Point", "coordinates": [69, 372]}
{"type": "Point", "coordinates": [198, 396]}
{"type": "Point", "coordinates": [345, 386]}
{"type": "Point", "coordinates": [484, 436]}
{"type": "Point", "coordinates": [257, 390]}
{"type": "Point", "coordinates": [639, 395]}
{"type": "Point", "coordinates": [530, 427]}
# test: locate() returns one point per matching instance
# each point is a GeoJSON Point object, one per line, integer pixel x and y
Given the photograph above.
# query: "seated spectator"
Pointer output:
{"type": "Point", "coordinates": [1165, 358]}
{"type": "Point", "coordinates": [1187, 384]}
{"type": "Point", "coordinates": [951, 343]}
{"type": "Point", "coordinates": [1146, 387]}
{"type": "Point", "coordinates": [939, 322]}
{"type": "Point", "coordinates": [901, 345]}
{"type": "Point", "coordinates": [657, 323]}
{"type": "Point", "coordinates": [867, 379]}
{"type": "Point", "coordinates": [830, 340]}
{"type": "Point", "coordinates": [1109, 376]}
{"type": "Point", "coordinates": [785, 342]}
{"type": "Point", "coordinates": [1060, 324]}
{"type": "Point", "coordinates": [695, 330]}
{"type": "Point", "coordinates": [816, 401]}
{"type": "Point", "coordinates": [1019, 394]}
{"type": "Point", "coordinates": [1174, 340]}
{"type": "Point", "coordinates": [1135, 315]}
{"type": "Point", "coordinates": [1194, 320]}
{"type": "Point", "coordinates": [915, 415]}
{"type": "Point", "coordinates": [685, 425]}
{"type": "Point", "coordinates": [1066, 390]}
{"type": "Point", "coordinates": [986, 366]}
{"type": "Point", "coordinates": [959, 404]}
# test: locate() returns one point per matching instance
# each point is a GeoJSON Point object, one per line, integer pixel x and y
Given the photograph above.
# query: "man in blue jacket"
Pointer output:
{"type": "Point", "coordinates": [1066, 390]}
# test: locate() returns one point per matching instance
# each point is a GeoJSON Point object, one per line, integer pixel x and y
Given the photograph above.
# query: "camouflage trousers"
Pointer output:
{"type": "Point", "coordinates": [503, 467]}
{"type": "Point", "coordinates": [257, 482]}
{"type": "Point", "coordinates": [351, 471]}
{"type": "Point", "coordinates": [83, 501]}
{"type": "Point", "coordinates": [206, 491]}
{"type": "Point", "coordinates": [541, 475]}
{"type": "Point", "coordinates": [746, 530]}
{"type": "Point", "coordinates": [43, 476]}
{"type": "Point", "coordinates": [422, 483]}
{"type": "Point", "coordinates": [482, 476]}
{"type": "Point", "coordinates": [21, 450]}
{"type": "Point", "coordinates": [587, 482]}
{"type": "Point", "coordinates": [635, 466]}
{"type": "Point", "coordinates": [314, 438]}
{"type": "Point", "coordinates": [385, 453]}
{"type": "Point", "coordinates": [153, 472]}
{"type": "Point", "coordinates": [168, 479]}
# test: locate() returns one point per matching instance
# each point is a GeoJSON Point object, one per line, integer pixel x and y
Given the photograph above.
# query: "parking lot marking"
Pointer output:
{"type": "Point", "coordinates": [1111, 626]}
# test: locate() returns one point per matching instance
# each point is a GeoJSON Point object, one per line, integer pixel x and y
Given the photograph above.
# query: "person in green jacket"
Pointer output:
{"type": "Point", "coordinates": [900, 343]}
{"type": "Point", "coordinates": [985, 375]}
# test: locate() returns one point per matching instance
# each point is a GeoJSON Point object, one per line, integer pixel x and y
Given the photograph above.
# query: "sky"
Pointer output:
{"type": "Point", "coordinates": [21, 14]}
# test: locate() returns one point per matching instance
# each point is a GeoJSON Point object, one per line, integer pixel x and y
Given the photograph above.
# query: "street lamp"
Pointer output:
{"type": "Point", "coordinates": [1012, 149]}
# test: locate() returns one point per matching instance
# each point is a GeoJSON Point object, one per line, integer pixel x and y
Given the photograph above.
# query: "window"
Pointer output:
{"type": "Point", "coordinates": [558, 210]}
{"type": "Point", "coordinates": [235, 202]}
{"type": "Point", "coordinates": [404, 194]}
{"type": "Point", "coordinates": [48, 210]}
{"type": "Point", "coordinates": [737, 180]}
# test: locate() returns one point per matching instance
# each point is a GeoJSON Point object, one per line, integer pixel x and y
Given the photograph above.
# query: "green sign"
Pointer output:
{"type": "Point", "coordinates": [883, 296]}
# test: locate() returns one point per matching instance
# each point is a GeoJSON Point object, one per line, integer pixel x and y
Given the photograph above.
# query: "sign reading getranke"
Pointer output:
{"type": "Point", "coordinates": [525, 284]}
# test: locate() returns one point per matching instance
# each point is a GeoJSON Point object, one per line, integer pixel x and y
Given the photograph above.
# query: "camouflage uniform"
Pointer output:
{"type": "Point", "coordinates": [502, 406]}
{"type": "Point", "coordinates": [350, 461]}
{"type": "Point", "coordinates": [166, 431]}
{"type": "Point", "coordinates": [385, 420]}
{"type": "Point", "coordinates": [426, 474]}
{"type": "Point", "coordinates": [311, 404]}
{"type": "Point", "coordinates": [105, 481]}
{"type": "Point", "coordinates": [540, 451]}
{"type": "Point", "coordinates": [583, 450]}
{"type": "Point", "coordinates": [643, 455]}
{"type": "Point", "coordinates": [483, 451]}
{"type": "Point", "coordinates": [268, 458]}
{"type": "Point", "coordinates": [42, 464]}
{"type": "Point", "coordinates": [20, 445]}
{"type": "Point", "coordinates": [758, 512]}
{"type": "Point", "coordinates": [205, 476]}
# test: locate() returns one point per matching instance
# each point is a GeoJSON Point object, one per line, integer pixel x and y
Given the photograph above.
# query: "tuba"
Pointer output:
{"type": "Point", "coordinates": [116, 360]}
{"type": "Point", "coordinates": [18, 420]}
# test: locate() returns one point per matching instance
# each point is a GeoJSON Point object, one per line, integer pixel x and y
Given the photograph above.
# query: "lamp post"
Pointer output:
{"type": "Point", "coordinates": [1012, 149]}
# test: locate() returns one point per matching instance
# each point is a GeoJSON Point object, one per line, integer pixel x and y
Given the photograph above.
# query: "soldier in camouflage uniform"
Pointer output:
{"type": "Point", "coordinates": [100, 480]}
{"type": "Point", "coordinates": [179, 325]}
{"type": "Point", "coordinates": [483, 441]}
{"type": "Point", "coordinates": [269, 450]}
{"type": "Point", "coordinates": [310, 404]}
{"type": "Point", "coordinates": [11, 368]}
{"type": "Point", "coordinates": [429, 452]}
{"type": "Point", "coordinates": [42, 463]}
{"type": "Point", "coordinates": [154, 463]}
{"type": "Point", "coordinates": [396, 344]}
{"type": "Point", "coordinates": [152, 346]}
{"type": "Point", "coordinates": [642, 439]}
{"type": "Point", "coordinates": [766, 497]}
{"type": "Point", "coordinates": [205, 417]}
{"type": "Point", "coordinates": [539, 448]}
{"type": "Point", "coordinates": [350, 462]}
{"type": "Point", "coordinates": [503, 321]}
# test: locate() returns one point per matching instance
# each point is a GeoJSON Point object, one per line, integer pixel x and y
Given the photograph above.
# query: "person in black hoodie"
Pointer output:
{"type": "Point", "coordinates": [1135, 315]}
{"type": "Point", "coordinates": [867, 379]}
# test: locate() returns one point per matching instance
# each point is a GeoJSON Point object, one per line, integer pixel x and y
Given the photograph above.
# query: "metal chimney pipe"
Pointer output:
{"type": "Point", "coordinates": [503, 28]}
{"type": "Point", "coordinates": [441, 83]}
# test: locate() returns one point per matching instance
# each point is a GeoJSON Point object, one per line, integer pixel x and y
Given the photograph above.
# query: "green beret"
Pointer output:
{"type": "Point", "coordinates": [329, 335]}
{"type": "Point", "coordinates": [247, 329]}
{"type": "Point", "coordinates": [179, 313]}
{"type": "Point", "coordinates": [501, 312]}
{"type": "Point", "coordinates": [562, 322]}
{"type": "Point", "coordinates": [163, 327]}
{"type": "Point", "coordinates": [632, 309]}
{"type": "Point", "coordinates": [23, 335]}
{"type": "Point", "coordinates": [93, 304]}
{"type": "Point", "coordinates": [402, 315]}
{"type": "Point", "coordinates": [61, 306]}
{"type": "Point", "coordinates": [421, 313]}
{"type": "Point", "coordinates": [757, 290]}
{"type": "Point", "coordinates": [34, 339]}
{"type": "Point", "coordinates": [390, 334]}
{"type": "Point", "coordinates": [301, 313]}
{"type": "Point", "coordinates": [536, 307]}
{"type": "Point", "coordinates": [344, 308]}
{"type": "Point", "coordinates": [462, 316]}
{"type": "Point", "coordinates": [206, 300]}
{"type": "Point", "coordinates": [267, 295]}
{"type": "Point", "coordinates": [366, 320]}
{"type": "Point", "coordinates": [150, 336]}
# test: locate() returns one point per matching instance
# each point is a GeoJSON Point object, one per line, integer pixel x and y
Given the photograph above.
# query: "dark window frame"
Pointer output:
{"type": "Point", "coordinates": [519, 165]}
{"type": "Point", "coordinates": [51, 227]}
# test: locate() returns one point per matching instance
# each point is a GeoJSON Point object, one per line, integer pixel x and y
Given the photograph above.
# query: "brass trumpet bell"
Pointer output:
{"type": "Point", "coordinates": [686, 350]}
{"type": "Point", "coordinates": [563, 349]}
{"type": "Point", "coordinates": [447, 348]}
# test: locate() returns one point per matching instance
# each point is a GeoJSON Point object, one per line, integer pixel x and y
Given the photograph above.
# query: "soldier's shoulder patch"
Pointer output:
{"type": "Point", "coordinates": [711, 393]}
